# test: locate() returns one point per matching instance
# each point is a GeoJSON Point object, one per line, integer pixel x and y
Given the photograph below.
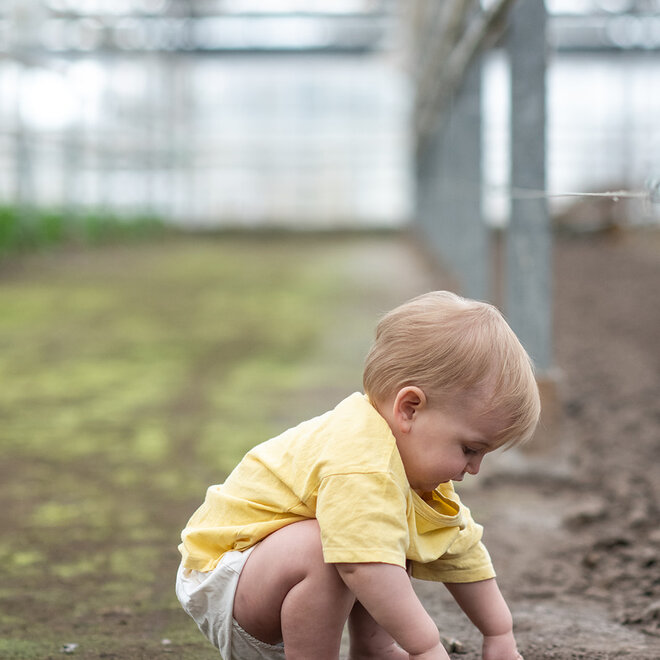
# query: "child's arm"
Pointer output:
{"type": "Point", "coordinates": [386, 593]}
{"type": "Point", "coordinates": [485, 606]}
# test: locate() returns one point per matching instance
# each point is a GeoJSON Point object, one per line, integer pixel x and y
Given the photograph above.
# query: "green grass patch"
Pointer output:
{"type": "Point", "coordinates": [22, 649]}
{"type": "Point", "coordinates": [30, 228]}
{"type": "Point", "coordinates": [134, 376]}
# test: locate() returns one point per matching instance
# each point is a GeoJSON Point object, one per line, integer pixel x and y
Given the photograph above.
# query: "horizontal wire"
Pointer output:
{"type": "Point", "coordinates": [530, 193]}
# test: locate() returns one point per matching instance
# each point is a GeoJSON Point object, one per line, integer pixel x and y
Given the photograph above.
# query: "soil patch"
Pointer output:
{"type": "Point", "coordinates": [575, 537]}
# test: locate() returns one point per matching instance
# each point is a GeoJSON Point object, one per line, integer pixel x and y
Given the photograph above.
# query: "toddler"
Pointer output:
{"type": "Point", "coordinates": [326, 523]}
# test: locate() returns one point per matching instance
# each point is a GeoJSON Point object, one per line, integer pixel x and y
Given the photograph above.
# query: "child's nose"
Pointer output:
{"type": "Point", "coordinates": [473, 465]}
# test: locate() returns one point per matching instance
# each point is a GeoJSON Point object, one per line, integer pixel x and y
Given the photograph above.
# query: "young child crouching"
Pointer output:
{"type": "Point", "coordinates": [326, 522]}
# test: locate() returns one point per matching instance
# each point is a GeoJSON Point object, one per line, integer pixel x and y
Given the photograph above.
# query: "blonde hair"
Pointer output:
{"type": "Point", "coordinates": [447, 346]}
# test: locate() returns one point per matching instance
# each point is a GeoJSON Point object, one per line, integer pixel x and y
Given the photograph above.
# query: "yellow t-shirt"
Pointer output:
{"type": "Point", "coordinates": [344, 469]}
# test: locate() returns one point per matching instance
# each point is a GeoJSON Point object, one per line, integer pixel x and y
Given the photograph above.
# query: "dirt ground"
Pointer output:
{"type": "Point", "coordinates": [573, 529]}
{"type": "Point", "coordinates": [574, 532]}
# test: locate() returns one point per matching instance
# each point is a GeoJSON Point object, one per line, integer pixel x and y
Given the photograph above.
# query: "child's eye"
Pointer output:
{"type": "Point", "coordinates": [468, 451]}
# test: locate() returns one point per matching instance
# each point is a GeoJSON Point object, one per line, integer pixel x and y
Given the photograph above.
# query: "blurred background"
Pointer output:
{"type": "Point", "coordinates": [205, 206]}
{"type": "Point", "coordinates": [241, 113]}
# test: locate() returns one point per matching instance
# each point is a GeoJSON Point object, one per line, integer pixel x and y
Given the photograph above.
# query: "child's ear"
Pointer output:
{"type": "Point", "coordinates": [407, 402]}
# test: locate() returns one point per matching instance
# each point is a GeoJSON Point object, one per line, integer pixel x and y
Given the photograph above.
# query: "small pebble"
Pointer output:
{"type": "Point", "coordinates": [452, 645]}
{"type": "Point", "coordinates": [652, 611]}
{"type": "Point", "coordinates": [591, 559]}
{"type": "Point", "coordinates": [587, 512]}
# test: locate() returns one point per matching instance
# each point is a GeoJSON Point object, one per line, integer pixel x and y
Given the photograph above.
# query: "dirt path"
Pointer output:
{"type": "Point", "coordinates": [577, 544]}
{"type": "Point", "coordinates": [123, 367]}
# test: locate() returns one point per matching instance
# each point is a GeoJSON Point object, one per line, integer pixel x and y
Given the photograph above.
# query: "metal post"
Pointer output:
{"type": "Point", "coordinates": [462, 174]}
{"type": "Point", "coordinates": [529, 240]}
{"type": "Point", "coordinates": [449, 189]}
{"type": "Point", "coordinates": [529, 295]}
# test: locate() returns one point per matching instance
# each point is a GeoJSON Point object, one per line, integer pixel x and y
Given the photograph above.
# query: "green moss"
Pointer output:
{"type": "Point", "coordinates": [76, 569]}
{"type": "Point", "coordinates": [23, 649]}
{"type": "Point", "coordinates": [78, 511]}
{"type": "Point", "coordinates": [138, 562]}
{"type": "Point", "coordinates": [22, 559]}
{"type": "Point", "coordinates": [135, 377]}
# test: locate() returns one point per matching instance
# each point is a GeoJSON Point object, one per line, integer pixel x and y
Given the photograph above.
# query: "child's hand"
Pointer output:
{"type": "Point", "coordinates": [500, 647]}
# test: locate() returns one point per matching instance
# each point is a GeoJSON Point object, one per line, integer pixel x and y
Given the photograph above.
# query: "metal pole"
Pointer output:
{"type": "Point", "coordinates": [463, 175]}
{"type": "Point", "coordinates": [529, 241]}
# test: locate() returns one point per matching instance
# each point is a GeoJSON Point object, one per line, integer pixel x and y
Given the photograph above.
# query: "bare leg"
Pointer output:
{"type": "Point", "coordinates": [369, 640]}
{"type": "Point", "coordinates": [287, 592]}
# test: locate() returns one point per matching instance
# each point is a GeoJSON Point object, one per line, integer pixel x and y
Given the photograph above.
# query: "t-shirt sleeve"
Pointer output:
{"type": "Point", "coordinates": [466, 559]}
{"type": "Point", "coordinates": [363, 519]}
